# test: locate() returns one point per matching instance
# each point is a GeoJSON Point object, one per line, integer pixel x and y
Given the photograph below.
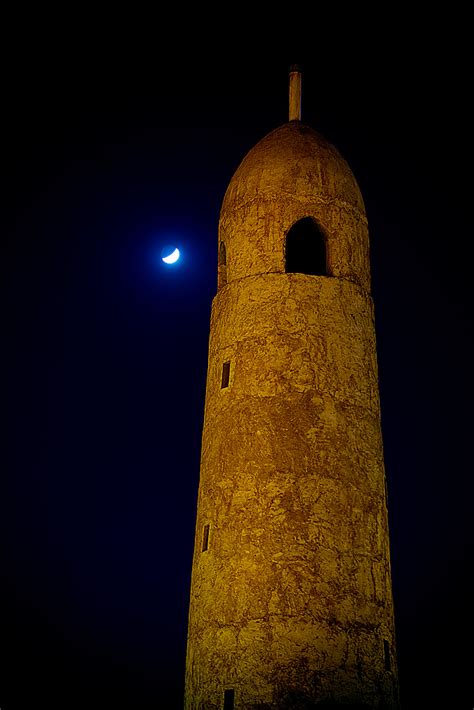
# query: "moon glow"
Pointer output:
{"type": "Point", "coordinates": [171, 257]}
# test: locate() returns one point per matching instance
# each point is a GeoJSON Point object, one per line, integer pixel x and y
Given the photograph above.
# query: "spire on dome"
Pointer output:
{"type": "Point", "coordinates": [295, 93]}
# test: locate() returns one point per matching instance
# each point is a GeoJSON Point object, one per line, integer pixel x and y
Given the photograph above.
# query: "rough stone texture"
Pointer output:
{"type": "Point", "coordinates": [291, 603]}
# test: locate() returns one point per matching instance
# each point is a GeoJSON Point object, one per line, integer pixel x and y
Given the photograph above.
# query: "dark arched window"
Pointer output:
{"type": "Point", "coordinates": [306, 248]}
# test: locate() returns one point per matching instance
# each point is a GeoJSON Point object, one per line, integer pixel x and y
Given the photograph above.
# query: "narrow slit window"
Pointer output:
{"type": "Point", "coordinates": [229, 697]}
{"type": "Point", "coordinates": [222, 266]}
{"type": "Point", "coordinates": [205, 538]}
{"type": "Point", "coordinates": [225, 375]}
{"type": "Point", "coordinates": [386, 650]}
{"type": "Point", "coordinates": [222, 255]}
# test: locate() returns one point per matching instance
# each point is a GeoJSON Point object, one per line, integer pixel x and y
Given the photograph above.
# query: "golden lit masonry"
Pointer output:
{"type": "Point", "coordinates": [291, 604]}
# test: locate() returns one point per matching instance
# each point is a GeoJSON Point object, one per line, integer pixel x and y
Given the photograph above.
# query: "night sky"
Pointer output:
{"type": "Point", "coordinates": [114, 148]}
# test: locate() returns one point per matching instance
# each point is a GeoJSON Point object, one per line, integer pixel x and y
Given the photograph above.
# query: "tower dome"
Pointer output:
{"type": "Point", "coordinates": [293, 173]}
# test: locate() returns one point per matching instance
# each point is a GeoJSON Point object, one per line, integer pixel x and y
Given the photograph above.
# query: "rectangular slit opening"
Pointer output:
{"type": "Point", "coordinates": [229, 699]}
{"type": "Point", "coordinates": [205, 538]}
{"type": "Point", "coordinates": [386, 649]}
{"type": "Point", "coordinates": [225, 375]}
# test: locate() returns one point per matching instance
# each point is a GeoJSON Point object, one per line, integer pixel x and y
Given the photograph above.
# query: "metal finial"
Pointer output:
{"type": "Point", "coordinates": [295, 93]}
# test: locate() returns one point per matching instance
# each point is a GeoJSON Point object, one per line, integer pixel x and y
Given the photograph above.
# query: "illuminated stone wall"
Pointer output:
{"type": "Point", "coordinates": [291, 599]}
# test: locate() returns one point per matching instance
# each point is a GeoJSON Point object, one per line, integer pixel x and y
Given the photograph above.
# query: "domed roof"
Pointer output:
{"type": "Point", "coordinates": [290, 175]}
{"type": "Point", "coordinates": [293, 160]}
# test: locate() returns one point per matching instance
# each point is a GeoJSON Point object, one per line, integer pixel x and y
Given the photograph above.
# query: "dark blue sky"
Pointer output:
{"type": "Point", "coordinates": [114, 151]}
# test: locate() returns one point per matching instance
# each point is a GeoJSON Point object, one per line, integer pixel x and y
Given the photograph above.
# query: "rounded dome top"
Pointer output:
{"type": "Point", "coordinates": [293, 159]}
{"type": "Point", "coordinates": [293, 174]}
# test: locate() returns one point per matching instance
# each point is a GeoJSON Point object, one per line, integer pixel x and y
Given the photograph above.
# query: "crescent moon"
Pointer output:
{"type": "Point", "coordinates": [171, 258]}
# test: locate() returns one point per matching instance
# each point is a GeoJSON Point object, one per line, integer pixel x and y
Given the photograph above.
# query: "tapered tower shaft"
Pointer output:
{"type": "Point", "coordinates": [291, 601]}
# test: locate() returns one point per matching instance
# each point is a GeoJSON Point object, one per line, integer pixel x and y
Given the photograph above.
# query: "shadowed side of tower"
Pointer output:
{"type": "Point", "coordinates": [291, 602]}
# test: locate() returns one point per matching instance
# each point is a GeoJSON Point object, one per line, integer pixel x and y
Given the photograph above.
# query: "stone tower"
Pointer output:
{"type": "Point", "coordinates": [291, 601]}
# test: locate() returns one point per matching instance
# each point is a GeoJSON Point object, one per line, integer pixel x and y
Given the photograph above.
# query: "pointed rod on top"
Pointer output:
{"type": "Point", "coordinates": [295, 93]}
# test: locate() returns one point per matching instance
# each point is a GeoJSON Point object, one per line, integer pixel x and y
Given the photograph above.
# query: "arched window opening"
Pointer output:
{"type": "Point", "coordinates": [222, 266]}
{"type": "Point", "coordinates": [306, 249]}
